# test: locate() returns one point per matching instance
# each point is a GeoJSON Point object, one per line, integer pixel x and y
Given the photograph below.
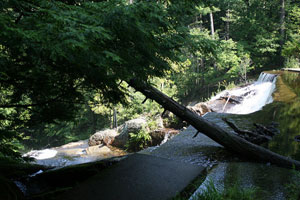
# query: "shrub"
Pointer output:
{"type": "Point", "coordinates": [138, 141]}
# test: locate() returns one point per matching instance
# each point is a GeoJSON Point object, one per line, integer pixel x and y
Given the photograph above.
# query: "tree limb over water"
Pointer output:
{"type": "Point", "coordinates": [230, 141]}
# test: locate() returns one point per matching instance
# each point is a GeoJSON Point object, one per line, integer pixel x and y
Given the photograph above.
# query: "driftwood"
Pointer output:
{"type": "Point", "coordinates": [258, 136]}
{"type": "Point", "coordinates": [229, 140]}
{"type": "Point", "coordinates": [230, 99]}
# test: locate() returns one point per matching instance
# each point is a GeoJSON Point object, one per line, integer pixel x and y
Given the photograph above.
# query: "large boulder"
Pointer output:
{"type": "Point", "coordinates": [131, 126]}
{"type": "Point", "coordinates": [103, 137]}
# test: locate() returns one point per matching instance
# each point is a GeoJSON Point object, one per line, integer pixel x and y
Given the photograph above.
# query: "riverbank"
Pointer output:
{"type": "Point", "coordinates": [224, 169]}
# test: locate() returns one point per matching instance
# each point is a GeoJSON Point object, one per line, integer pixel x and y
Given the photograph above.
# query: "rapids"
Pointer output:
{"type": "Point", "coordinates": [253, 96]}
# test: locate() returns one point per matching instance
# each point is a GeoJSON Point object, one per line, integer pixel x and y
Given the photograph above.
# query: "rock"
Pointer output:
{"type": "Point", "coordinates": [103, 137]}
{"type": "Point", "coordinates": [159, 121]}
{"type": "Point", "coordinates": [78, 144]}
{"type": "Point", "coordinates": [232, 98]}
{"type": "Point", "coordinates": [98, 150]}
{"type": "Point", "coordinates": [162, 134]}
{"type": "Point", "coordinates": [131, 126]}
{"type": "Point", "coordinates": [200, 108]}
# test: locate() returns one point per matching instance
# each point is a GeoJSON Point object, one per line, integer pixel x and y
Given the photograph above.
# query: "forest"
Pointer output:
{"type": "Point", "coordinates": [67, 66]}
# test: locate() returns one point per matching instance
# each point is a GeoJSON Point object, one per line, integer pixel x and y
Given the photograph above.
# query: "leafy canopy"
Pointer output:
{"type": "Point", "coordinates": [51, 51]}
{"type": "Point", "coordinates": [54, 55]}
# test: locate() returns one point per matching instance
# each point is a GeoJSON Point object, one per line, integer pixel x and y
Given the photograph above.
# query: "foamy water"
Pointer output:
{"type": "Point", "coordinates": [254, 96]}
{"type": "Point", "coordinates": [41, 154]}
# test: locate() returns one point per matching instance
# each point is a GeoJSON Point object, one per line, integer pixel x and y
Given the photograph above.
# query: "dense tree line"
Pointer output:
{"type": "Point", "coordinates": [61, 57]}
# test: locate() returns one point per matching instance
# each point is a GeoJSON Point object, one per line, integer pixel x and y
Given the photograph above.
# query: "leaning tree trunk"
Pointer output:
{"type": "Point", "coordinates": [229, 140]}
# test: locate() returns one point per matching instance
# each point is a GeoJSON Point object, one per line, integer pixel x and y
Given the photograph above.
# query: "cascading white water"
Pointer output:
{"type": "Point", "coordinates": [260, 94]}
{"type": "Point", "coordinates": [41, 154]}
{"type": "Point", "coordinates": [254, 96]}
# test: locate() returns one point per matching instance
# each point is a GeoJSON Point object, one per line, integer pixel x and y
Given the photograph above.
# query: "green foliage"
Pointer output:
{"type": "Point", "coordinates": [46, 135]}
{"type": "Point", "coordinates": [291, 48]}
{"type": "Point", "coordinates": [134, 106]}
{"type": "Point", "coordinates": [55, 55]}
{"type": "Point", "coordinates": [214, 61]}
{"type": "Point", "coordinates": [292, 63]}
{"type": "Point", "coordinates": [138, 141]}
{"type": "Point", "coordinates": [293, 187]}
{"type": "Point", "coordinates": [152, 125]}
{"type": "Point", "coordinates": [232, 193]}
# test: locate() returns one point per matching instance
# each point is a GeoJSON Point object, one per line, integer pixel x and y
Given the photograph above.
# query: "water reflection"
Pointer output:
{"type": "Point", "coordinates": [285, 110]}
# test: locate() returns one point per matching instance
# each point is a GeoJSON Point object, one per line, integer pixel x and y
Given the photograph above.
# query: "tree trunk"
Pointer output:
{"type": "Point", "coordinates": [229, 140]}
{"type": "Point", "coordinates": [282, 29]}
{"type": "Point", "coordinates": [115, 124]}
{"type": "Point", "coordinates": [227, 24]}
{"type": "Point", "coordinates": [212, 27]}
{"type": "Point", "coordinates": [282, 22]}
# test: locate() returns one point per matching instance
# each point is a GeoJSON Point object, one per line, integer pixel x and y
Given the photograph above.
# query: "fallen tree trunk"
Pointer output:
{"type": "Point", "coordinates": [229, 140]}
{"type": "Point", "coordinates": [255, 137]}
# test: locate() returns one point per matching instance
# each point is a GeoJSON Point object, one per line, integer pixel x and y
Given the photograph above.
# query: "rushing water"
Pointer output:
{"type": "Point", "coordinates": [253, 96]}
{"type": "Point", "coordinates": [257, 104]}
{"type": "Point", "coordinates": [72, 154]}
{"type": "Point", "coordinates": [284, 109]}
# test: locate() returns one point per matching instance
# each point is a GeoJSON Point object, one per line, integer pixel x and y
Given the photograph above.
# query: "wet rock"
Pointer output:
{"type": "Point", "coordinates": [98, 150]}
{"type": "Point", "coordinates": [163, 134]}
{"type": "Point", "coordinates": [218, 105]}
{"type": "Point", "coordinates": [78, 144]}
{"type": "Point", "coordinates": [200, 108]}
{"type": "Point", "coordinates": [131, 126]}
{"type": "Point", "coordinates": [232, 99]}
{"type": "Point", "coordinates": [103, 137]}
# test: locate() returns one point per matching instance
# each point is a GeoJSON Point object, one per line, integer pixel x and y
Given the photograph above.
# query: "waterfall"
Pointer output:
{"type": "Point", "coordinates": [253, 97]}
{"type": "Point", "coordinates": [265, 77]}
{"type": "Point", "coordinates": [256, 95]}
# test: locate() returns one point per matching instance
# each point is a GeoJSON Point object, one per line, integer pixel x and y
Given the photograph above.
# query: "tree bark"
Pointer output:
{"type": "Point", "coordinates": [229, 140]}
{"type": "Point", "coordinates": [212, 27]}
{"type": "Point", "coordinates": [115, 124]}
{"type": "Point", "coordinates": [227, 24]}
{"type": "Point", "coordinates": [282, 30]}
{"type": "Point", "coordinates": [282, 22]}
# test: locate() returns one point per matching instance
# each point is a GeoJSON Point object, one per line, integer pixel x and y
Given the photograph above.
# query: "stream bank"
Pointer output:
{"type": "Point", "coordinates": [227, 169]}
